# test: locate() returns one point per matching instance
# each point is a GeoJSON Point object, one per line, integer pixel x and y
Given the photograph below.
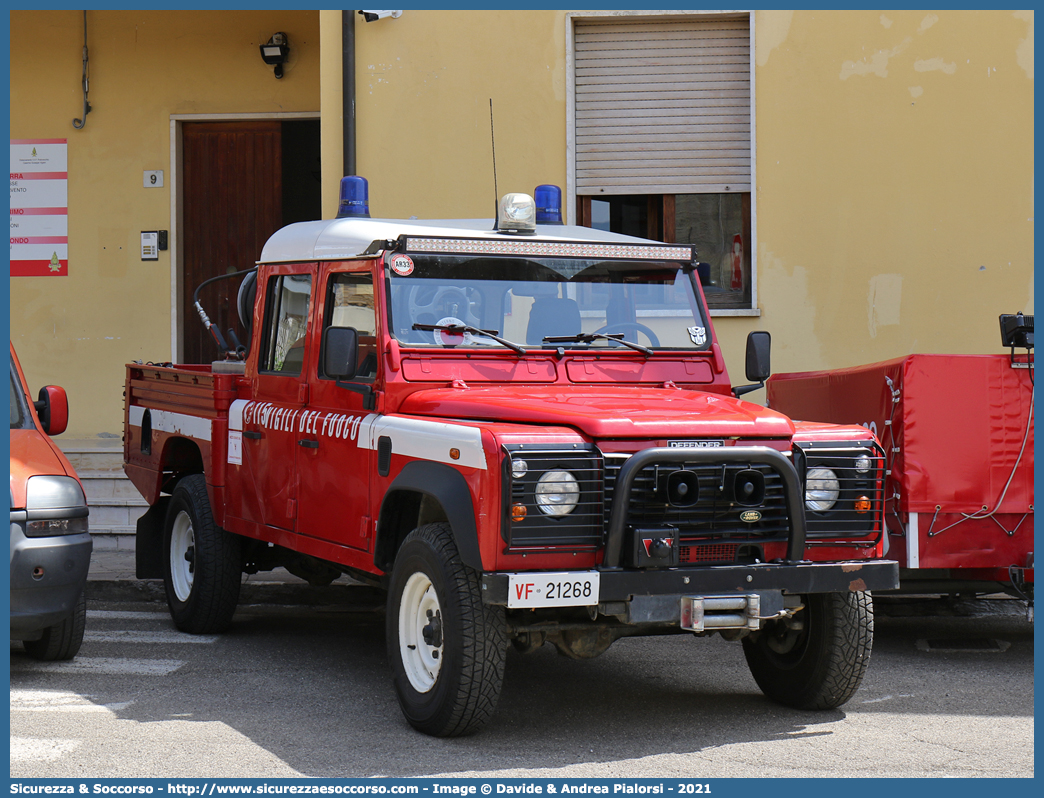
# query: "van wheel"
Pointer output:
{"type": "Point", "coordinates": [62, 640]}
{"type": "Point", "coordinates": [447, 649]}
{"type": "Point", "coordinates": [819, 663]}
{"type": "Point", "coordinates": [203, 566]}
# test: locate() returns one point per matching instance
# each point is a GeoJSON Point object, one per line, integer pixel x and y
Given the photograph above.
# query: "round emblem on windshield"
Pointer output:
{"type": "Point", "coordinates": [402, 265]}
{"type": "Point", "coordinates": [750, 516]}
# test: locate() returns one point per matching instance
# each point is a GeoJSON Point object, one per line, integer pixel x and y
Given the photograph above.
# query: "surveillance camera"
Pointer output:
{"type": "Point", "coordinates": [373, 16]}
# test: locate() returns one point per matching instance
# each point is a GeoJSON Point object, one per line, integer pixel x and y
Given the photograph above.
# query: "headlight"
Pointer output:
{"type": "Point", "coordinates": [862, 464]}
{"type": "Point", "coordinates": [53, 493]}
{"type": "Point", "coordinates": [54, 505]}
{"type": "Point", "coordinates": [519, 468]}
{"type": "Point", "coordinates": [822, 489]}
{"type": "Point", "coordinates": [557, 493]}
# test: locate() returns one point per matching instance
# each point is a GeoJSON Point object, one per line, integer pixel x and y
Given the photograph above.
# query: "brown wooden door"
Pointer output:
{"type": "Point", "coordinates": [232, 204]}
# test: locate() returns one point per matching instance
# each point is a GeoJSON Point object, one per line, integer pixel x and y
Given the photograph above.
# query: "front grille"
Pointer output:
{"type": "Point", "coordinates": [715, 513]}
{"type": "Point", "coordinates": [580, 529]}
{"type": "Point", "coordinates": [709, 552]}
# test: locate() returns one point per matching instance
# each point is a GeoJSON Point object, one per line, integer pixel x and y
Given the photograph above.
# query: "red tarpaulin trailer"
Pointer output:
{"type": "Point", "coordinates": [957, 431]}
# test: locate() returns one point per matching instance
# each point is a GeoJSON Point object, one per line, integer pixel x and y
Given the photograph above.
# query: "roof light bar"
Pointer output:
{"type": "Point", "coordinates": [554, 249]}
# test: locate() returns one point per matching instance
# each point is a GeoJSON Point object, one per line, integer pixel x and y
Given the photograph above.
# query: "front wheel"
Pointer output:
{"type": "Point", "coordinates": [203, 566]}
{"type": "Point", "coordinates": [62, 640]}
{"type": "Point", "coordinates": [447, 649]}
{"type": "Point", "coordinates": [816, 661]}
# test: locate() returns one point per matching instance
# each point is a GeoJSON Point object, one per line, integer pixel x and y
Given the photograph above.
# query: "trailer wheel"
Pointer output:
{"type": "Point", "coordinates": [447, 649]}
{"type": "Point", "coordinates": [821, 663]}
{"type": "Point", "coordinates": [63, 639]}
{"type": "Point", "coordinates": [203, 566]}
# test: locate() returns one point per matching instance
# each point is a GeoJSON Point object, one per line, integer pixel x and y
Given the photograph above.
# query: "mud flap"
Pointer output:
{"type": "Point", "coordinates": [148, 541]}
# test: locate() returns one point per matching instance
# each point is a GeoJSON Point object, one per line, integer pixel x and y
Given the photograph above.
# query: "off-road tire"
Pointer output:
{"type": "Point", "coordinates": [822, 666]}
{"type": "Point", "coordinates": [462, 693]}
{"type": "Point", "coordinates": [202, 595]}
{"type": "Point", "coordinates": [62, 640]}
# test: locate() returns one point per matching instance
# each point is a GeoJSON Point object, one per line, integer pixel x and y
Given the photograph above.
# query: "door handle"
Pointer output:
{"type": "Point", "coordinates": [254, 436]}
{"type": "Point", "coordinates": [309, 444]}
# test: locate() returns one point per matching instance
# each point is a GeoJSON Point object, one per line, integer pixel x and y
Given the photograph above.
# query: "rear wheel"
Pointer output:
{"type": "Point", "coordinates": [818, 660]}
{"type": "Point", "coordinates": [447, 649]}
{"type": "Point", "coordinates": [62, 640]}
{"type": "Point", "coordinates": [203, 563]}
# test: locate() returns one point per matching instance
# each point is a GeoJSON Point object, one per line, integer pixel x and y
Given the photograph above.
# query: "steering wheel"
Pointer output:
{"type": "Point", "coordinates": [426, 304]}
{"type": "Point", "coordinates": [624, 326]}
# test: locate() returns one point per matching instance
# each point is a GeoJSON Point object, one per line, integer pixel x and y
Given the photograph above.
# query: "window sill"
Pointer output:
{"type": "Point", "coordinates": [735, 312]}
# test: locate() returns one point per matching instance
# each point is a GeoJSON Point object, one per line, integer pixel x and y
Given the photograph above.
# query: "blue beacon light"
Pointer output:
{"type": "Point", "coordinates": [354, 199]}
{"type": "Point", "coordinates": [548, 204]}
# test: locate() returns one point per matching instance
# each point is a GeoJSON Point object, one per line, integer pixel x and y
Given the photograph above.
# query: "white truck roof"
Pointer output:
{"type": "Point", "coordinates": [339, 239]}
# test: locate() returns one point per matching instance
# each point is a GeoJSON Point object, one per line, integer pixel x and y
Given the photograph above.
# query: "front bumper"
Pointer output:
{"type": "Point", "coordinates": [668, 585]}
{"type": "Point", "coordinates": [47, 576]}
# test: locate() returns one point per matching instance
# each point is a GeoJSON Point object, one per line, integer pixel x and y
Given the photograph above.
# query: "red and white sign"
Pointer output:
{"type": "Point", "coordinates": [39, 208]}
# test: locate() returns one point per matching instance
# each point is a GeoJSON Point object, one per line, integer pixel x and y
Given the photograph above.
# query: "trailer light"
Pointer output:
{"type": "Point", "coordinates": [862, 505]}
{"type": "Point", "coordinates": [862, 464]}
{"type": "Point", "coordinates": [822, 489]}
{"type": "Point", "coordinates": [517, 214]}
{"type": "Point", "coordinates": [518, 512]}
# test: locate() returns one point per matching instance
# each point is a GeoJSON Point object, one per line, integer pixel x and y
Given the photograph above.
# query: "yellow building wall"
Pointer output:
{"type": "Point", "coordinates": [894, 162]}
{"type": "Point", "coordinates": [79, 331]}
{"type": "Point", "coordinates": [894, 181]}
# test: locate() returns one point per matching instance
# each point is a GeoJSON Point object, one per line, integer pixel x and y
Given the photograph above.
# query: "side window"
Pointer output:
{"type": "Point", "coordinates": [286, 322]}
{"type": "Point", "coordinates": [349, 303]}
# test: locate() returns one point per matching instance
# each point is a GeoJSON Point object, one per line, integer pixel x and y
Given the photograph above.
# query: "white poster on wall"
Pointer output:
{"type": "Point", "coordinates": [39, 208]}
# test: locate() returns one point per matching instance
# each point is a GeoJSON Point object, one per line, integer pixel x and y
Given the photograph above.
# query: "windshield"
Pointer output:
{"type": "Point", "coordinates": [20, 418]}
{"type": "Point", "coordinates": [523, 300]}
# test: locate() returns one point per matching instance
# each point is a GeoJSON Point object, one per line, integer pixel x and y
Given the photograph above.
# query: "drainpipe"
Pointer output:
{"type": "Point", "coordinates": [348, 90]}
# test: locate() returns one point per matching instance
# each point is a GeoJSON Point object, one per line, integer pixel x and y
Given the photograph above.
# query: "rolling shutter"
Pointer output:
{"type": "Point", "coordinates": [662, 107]}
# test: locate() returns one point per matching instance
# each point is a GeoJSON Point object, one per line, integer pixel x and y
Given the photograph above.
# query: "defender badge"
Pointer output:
{"type": "Point", "coordinates": [750, 516]}
{"type": "Point", "coordinates": [698, 335]}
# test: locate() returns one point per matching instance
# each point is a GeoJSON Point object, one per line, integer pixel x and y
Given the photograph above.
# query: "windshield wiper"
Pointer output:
{"type": "Point", "coordinates": [463, 328]}
{"type": "Point", "coordinates": [586, 338]}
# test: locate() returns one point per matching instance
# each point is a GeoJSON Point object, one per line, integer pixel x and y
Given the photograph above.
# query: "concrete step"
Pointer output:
{"type": "Point", "coordinates": [101, 454]}
{"type": "Point", "coordinates": [113, 538]}
{"type": "Point", "coordinates": [115, 503]}
{"type": "Point", "coordinates": [106, 516]}
{"type": "Point", "coordinates": [107, 486]}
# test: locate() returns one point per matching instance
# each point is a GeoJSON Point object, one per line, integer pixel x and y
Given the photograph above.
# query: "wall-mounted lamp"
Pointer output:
{"type": "Point", "coordinates": [373, 16]}
{"type": "Point", "coordinates": [276, 52]}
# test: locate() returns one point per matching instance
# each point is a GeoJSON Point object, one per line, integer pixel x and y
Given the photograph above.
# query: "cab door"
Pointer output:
{"type": "Point", "coordinates": [333, 467]}
{"type": "Point", "coordinates": [280, 393]}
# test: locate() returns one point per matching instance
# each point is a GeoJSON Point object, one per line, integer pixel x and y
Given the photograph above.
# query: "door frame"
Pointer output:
{"type": "Point", "coordinates": [177, 266]}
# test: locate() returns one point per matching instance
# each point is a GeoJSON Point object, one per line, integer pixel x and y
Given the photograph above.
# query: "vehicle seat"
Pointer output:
{"type": "Point", "coordinates": [552, 316]}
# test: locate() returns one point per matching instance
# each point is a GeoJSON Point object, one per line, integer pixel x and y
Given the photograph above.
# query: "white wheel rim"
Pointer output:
{"type": "Point", "coordinates": [182, 541]}
{"type": "Point", "coordinates": [420, 660]}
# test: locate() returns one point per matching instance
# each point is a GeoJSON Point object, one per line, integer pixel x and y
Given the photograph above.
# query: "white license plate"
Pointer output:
{"type": "Point", "coordinates": [566, 589]}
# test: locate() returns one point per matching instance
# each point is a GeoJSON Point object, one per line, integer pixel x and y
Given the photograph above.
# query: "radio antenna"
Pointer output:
{"type": "Point", "coordinates": [493, 140]}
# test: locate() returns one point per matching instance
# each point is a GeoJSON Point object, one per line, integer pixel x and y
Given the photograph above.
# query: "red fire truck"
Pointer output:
{"type": "Point", "coordinates": [957, 431]}
{"type": "Point", "coordinates": [526, 434]}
